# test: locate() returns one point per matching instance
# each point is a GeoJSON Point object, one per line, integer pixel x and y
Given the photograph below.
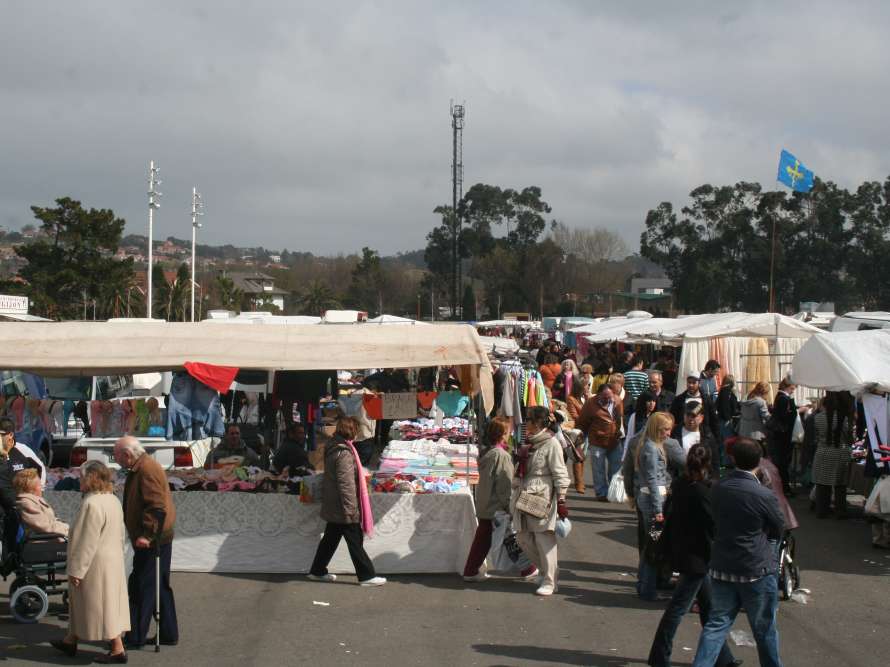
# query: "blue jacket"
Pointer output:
{"type": "Point", "coordinates": [747, 515]}
{"type": "Point", "coordinates": [651, 478]}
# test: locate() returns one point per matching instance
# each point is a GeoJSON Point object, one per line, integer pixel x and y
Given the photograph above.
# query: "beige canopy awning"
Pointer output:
{"type": "Point", "coordinates": [107, 348]}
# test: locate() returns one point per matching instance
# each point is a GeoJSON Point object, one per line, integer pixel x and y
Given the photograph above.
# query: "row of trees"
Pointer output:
{"type": "Point", "coordinates": [829, 245]}
{"type": "Point", "coordinates": [514, 259]}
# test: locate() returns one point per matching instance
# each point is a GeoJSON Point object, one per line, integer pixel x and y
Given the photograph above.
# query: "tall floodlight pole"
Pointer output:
{"type": "Point", "coordinates": [457, 186]}
{"type": "Point", "coordinates": [197, 209]}
{"type": "Point", "coordinates": [153, 196]}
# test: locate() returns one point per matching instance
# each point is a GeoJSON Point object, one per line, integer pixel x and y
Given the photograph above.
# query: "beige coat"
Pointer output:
{"type": "Point", "coordinates": [546, 475]}
{"type": "Point", "coordinates": [38, 515]}
{"type": "Point", "coordinates": [99, 607]}
{"type": "Point", "coordinates": [495, 480]}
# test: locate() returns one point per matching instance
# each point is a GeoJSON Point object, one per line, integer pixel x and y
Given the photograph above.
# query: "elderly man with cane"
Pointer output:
{"type": "Point", "coordinates": [149, 515]}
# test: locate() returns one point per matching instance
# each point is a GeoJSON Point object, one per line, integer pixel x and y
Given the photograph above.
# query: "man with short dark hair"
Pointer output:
{"type": "Point", "coordinates": [694, 394]}
{"type": "Point", "coordinates": [292, 452]}
{"type": "Point", "coordinates": [708, 380]}
{"type": "Point", "coordinates": [232, 445]}
{"type": "Point", "coordinates": [690, 433]}
{"type": "Point", "coordinates": [636, 381]}
{"type": "Point", "coordinates": [743, 566]}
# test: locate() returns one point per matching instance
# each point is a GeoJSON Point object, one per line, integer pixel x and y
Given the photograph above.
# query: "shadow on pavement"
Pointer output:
{"type": "Point", "coordinates": [556, 655]}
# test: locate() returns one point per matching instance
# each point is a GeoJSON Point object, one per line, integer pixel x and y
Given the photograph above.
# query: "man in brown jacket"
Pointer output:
{"type": "Point", "coordinates": [146, 499]}
{"type": "Point", "coordinates": [601, 420]}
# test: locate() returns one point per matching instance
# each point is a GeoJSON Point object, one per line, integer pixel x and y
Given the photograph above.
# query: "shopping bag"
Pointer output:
{"type": "Point", "coordinates": [797, 433]}
{"type": "Point", "coordinates": [617, 493]}
{"type": "Point", "coordinates": [505, 555]}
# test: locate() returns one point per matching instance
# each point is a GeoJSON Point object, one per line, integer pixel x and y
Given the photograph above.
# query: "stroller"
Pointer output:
{"type": "Point", "coordinates": [789, 573]}
{"type": "Point", "coordinates": [38, 561]}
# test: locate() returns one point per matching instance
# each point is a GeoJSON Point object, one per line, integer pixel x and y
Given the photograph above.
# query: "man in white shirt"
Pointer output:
{"type": "Point", "coordinates": [691, 433]}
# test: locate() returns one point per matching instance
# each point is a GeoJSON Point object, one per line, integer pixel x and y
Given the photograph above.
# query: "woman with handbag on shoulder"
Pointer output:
{"type": "Point", "coordinates": [651, 482]}
{"type": "Point", "coordinates": [538, 497]}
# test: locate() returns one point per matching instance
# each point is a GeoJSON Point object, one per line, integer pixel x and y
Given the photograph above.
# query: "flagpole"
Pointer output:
{"type": "Point", "coordinates": [772, 264]}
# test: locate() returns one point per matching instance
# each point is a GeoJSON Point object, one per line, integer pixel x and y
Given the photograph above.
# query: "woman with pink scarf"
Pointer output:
{"type": "Point", "coordinates": [346, 506]}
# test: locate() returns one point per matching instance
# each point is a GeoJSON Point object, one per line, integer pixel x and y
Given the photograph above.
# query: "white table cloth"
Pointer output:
{"type": "Point", "coordinates": [276, 533]}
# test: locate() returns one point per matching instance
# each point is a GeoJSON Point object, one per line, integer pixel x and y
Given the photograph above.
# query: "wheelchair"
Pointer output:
{"type": "Point", "coordinates": [38, 562]}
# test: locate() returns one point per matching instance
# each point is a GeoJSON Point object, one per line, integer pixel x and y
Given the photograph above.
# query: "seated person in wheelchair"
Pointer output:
{"type": "Point", "coordinates": [35, 513]}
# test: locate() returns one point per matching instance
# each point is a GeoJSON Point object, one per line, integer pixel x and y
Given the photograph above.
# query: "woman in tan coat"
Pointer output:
{"type": "Point", "coordinates": [35, 513]}
{"type": "Point", "coordinates": [99, 608]}
{"type": "Point", "coordinates": [542, 473]}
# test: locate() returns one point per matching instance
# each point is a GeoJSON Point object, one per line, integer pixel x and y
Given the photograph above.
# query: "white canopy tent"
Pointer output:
{"type": "Point", "coordinates": [393, 319]}
{"type": "Point", "coordinates": [105, 348]}
{"type": "Point", "coordinates": [496, 345]}
{"type": "Point", "coordinates": [750, 346]}
{"type": "Point", "coordinates": [520, 324]}
{"type": "Point", "coordinates": [855, 361]}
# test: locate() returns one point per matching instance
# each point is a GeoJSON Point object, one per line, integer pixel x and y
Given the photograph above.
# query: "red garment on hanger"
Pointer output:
{"type": "Point", "coordinates": [373, 405]}
{"type": "Point", "coordinates": [426, 398]}
{"type": "Point", "coordinates": [215, 377]}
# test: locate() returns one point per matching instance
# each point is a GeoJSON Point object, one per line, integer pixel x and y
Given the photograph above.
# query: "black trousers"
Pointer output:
{"type": "Point", "coordinates": [141, 589]}
{"type": "Point", "coordinates": [352, 533]}
{"type": "Point", "coordinates": [782, 450]}
{"type": "Point", "coordinates": [823, 500]}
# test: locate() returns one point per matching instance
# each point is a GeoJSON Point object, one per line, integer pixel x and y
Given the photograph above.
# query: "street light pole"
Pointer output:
{"type": "Point", "coordinates": [153, 182]}
{"type": "Point", "coordinates": [197, 209]}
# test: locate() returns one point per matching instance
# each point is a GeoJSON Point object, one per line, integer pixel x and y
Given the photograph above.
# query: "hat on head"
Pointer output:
{"type": "Point", "coordinates": [693, 376]}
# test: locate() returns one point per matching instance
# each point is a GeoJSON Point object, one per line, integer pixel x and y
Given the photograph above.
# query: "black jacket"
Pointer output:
{"type": "Point", "coordinates": [690, 526]}
{"type": "Point", "coordinates": [664, 401]}
{"type": "Point", "coordinates": [746, 515]}
{"type": "Point", "coordinates": [7, 504]}
{"type": "Point", "coordinates": [727, 404]}
{"type": "Point", "coordinates": [712, 422]}
{"type": "Point", "coordinates": [784, 413]}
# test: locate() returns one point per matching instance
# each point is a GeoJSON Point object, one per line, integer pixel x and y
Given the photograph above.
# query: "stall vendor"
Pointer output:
{"type": "Point", "coordinates": [292, 452]}
{"type": "Point", "coordinates": [232, 445]}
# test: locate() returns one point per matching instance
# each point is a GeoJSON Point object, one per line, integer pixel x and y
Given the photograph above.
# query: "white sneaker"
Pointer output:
{"type": "Point", "coordinates": [545, 590]}
{"type": "Point", "coordinates": [325, 578]}
{"type": "Point", "coordinates": [374, 581]}
{"type": "Point", "coordinates": [481, 576]}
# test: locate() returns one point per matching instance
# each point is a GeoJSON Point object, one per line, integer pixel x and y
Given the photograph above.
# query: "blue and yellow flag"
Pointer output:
{"type": "Point", "coordinates": [793, 174]}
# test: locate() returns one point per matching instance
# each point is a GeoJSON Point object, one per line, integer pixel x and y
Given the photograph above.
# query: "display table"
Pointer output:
{"type": "Point", "coordinates": [273, 532]}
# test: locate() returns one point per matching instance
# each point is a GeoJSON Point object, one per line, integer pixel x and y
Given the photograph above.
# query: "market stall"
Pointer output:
{"type": "Point", "coordinates": [275, 532]}
{"type": "Point", "coordinates": [426, 530]}
{"type": "Point", "coordinates": [752, 347]}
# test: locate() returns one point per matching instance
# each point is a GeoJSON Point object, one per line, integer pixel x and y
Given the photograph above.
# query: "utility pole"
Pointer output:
{"type": "Point", "coordinates": [457, 183]}
{"type": "Point", "coordinates": [197, 209]}
{"type": "Point", "coordinates": [153, 195]}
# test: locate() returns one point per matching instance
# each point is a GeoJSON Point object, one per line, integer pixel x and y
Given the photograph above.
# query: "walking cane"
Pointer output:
{"type": "Point", "coordinates": [160, 516]}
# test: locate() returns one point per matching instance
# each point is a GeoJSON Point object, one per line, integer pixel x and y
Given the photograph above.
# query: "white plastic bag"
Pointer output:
{"type": "Point", "coordinates": [616, 489]}
{"type": "Point", "coordinates": [797, 433]}
{"type": "Point", "coordinates": [505, 554]}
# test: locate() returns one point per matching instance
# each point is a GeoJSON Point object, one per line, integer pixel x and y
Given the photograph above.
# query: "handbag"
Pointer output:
{"type": "Point", "coordinates": [533, 504]}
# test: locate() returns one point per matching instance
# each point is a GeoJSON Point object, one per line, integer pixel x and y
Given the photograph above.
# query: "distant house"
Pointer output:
{"type": "Point", "coordinates": [275, 259]}
{"type": "Point", "coordinates": [638, 286]}
{"type": "Point", "coordinates": [258, 289]}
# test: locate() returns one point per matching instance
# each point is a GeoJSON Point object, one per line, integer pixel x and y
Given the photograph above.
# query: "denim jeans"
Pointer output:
{"type": "Point", "coordinates": [647, 575]}
{"type": "Point", "coordinates": [689, 587]}
{"type": "Point", "coordinates": [604, 459]}
{"type": "Point", "coordinates": [761, 601]}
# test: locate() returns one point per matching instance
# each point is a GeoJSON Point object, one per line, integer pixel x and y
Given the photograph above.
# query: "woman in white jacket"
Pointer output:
{"type": "Point", "coordinates": [541, 473]}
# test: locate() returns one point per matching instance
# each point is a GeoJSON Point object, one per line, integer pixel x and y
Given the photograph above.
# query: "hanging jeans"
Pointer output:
{"type": "Point", "coordinates": [193, 410]}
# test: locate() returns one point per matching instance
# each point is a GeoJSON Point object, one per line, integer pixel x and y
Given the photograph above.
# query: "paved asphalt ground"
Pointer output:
{"type": "Point", "coordinates": [594, 619]}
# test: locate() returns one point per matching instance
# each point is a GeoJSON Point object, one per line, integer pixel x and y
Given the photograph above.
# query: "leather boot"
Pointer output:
{"type": "Point", "coordinates": [578, 472]}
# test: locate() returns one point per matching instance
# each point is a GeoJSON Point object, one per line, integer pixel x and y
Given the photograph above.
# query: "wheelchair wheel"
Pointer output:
{"type": "Point", "coordinates": [28, 603]}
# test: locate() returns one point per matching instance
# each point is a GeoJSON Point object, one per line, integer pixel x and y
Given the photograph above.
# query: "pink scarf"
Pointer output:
{"type": "Point", "coordinates": [568, 384]}
{"type": "Point", "coordinates": [364, 500]}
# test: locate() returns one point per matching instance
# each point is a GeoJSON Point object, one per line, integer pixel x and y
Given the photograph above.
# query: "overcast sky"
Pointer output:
{"type": "Point", "coordinates": [325, 126]}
